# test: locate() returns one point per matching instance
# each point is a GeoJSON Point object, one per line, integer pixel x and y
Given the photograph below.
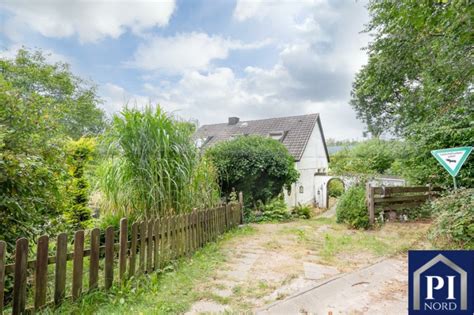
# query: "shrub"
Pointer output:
{"type": "Point", "coordinates": [454, 223]}
{"type": "Point", "coordinates": [302, 211]}
{"type": "Point", "coordinates": [273, 211]}
{"type": "Point", "coordinates": [80, 153]}
{"type": "Point", "coordinates": [336, 188]}
{"type": "Point", "coordinates": [351, 208]}
{"type": "Point", "coordinates": [259, 167]}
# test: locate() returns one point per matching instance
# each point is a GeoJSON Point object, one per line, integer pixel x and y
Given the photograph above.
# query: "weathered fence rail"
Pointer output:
{"type": "Point", "coordinates": [144, 247]}
{"type": "Point", "coordinates": [395, 198]}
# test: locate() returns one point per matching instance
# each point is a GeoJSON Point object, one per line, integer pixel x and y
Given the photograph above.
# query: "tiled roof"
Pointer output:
{"type": "Point", "coordinates": [297, 131]}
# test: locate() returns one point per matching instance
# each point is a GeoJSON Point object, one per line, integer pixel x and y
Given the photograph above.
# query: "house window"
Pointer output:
{"type": "Point", "coordinates": [277, 135]}
{"type": "Point", "coordinates": [201, 142]}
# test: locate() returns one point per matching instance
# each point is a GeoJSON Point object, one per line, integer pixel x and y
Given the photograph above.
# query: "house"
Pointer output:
{"type": "Point", "coordinates": [303, 137]}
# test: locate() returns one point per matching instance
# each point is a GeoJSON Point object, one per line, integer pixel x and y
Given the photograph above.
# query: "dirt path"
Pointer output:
{"type": "Point", "coordinates": [282, 259]}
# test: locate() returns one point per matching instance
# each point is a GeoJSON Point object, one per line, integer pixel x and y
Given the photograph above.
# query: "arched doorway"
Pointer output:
{"type": "Point", "coordinates": [335, 187]}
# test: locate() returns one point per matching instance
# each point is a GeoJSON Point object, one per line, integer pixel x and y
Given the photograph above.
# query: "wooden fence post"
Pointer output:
{"type": "Point", "coordinates": [109, 257]}
{"type": "Point", "coordinates": [60, 273]}
{"type": "Point", "coordinates": [199, 220]}
{"type": "Point", "coordinates": [3, 252]}
{"type": "Point", "coordinates": [19, 286]}
{"type": "Point", "coordinates": [370, 203]}
{"type": "Point", "coordinates": [172, 237]}
{"type": "Point", "coordinates": [167, 241]}
{"type": "Point", "coordinates": [94, 259]}
{"type": "Point", "coordinates": [157, 247]}
{"type": "Point", "coordinates": [41, 273]}
{"type": "Point", "coordinates": [142, 251]}
{"type": "Point", "coordinates": [123, 248]}
{"type": "Point", "coordinates": [78, 264]}
{"type": "Point", "coordinates": [180, 235]}
{"type": "Point", "coordinates": [187, 239]}
{"type": "Point", "coordinates": [195, 243]}
{"type": "Point", "coordinates": [149, 249]}
{"type": "Point", "coordinates": [163, 240]}
{"type": "Point", "coordinates": [207, 216]}
{"type": "Point", "coordinates": [241, 202]}
{"type": "Point", "coordinates": [133, 251]}
{"type": "Point", "coordinates": [194, 230]}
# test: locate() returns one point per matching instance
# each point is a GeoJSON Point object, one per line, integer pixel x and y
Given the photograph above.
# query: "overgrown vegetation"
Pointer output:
{"type": "Point", "coordinates": [454, 220]}
{"type": "Point", "coordinates": [80, 152]}
{"type": "Point", "coordinates": [351, 208]}
{"type": "Point", "coordinates": [335, 188]}
{"type": "Point", "coordinates": [275, 210]}
{"type": "Point", "coordinates": [302, 211]}
{"type": "Point", "coordinates": [418, 82]}
{"type": "Point", "coordinates": [259, 167]}
{"type": "Point", "coordinates": [153, 167]}
{"type": "Point", "coordinates": [43, 105]}
{"type": "Point", "coordinates": [370, 157]}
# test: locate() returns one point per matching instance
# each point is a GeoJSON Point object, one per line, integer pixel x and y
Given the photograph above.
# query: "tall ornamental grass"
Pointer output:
{"type": "Point", "coordinates": [154, 168]}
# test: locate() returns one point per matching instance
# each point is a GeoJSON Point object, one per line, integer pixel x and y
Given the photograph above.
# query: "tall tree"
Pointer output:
{"type": "Point", "coordinates": [72, 102]}
{"type": "Point", "coordinates": [42, 105]}
{"type": "Point", "coordinates": [419, 80]}
{"type": "Point", "coordinates": [420, 63]}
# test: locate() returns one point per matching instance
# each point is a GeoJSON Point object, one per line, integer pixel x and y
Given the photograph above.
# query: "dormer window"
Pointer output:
{"type": "Point", "coordinates": [277, 135]}
{"type": "Point", "coordinates": [201, 142]}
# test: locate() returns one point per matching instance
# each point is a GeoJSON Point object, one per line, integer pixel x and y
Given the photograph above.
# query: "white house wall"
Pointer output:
{"type": "Point", "coordinates": [314, 158]}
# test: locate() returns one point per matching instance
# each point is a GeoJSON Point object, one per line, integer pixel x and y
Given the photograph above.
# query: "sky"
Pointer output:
{"type": "Point", "coordinates": [204, 60]}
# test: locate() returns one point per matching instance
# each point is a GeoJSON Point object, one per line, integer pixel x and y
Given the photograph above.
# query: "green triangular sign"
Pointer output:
{"type": "Point", "coordinates": [452, 159]}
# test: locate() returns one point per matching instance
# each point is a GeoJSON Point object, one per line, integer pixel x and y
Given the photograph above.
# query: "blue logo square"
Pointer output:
{"type": "Point", "coordinates": [441, 282]}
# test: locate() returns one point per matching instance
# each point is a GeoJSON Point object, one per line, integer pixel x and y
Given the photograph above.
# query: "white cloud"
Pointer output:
{"type": "Point", "coordinates": [319, 52]}
{"type": "Point", "coordinates": [90, 20]}
{"type": "Point", "coordinates": [261, 9]}
{"type": "Point", "coordinates": [218, 94]}
{"type": "Point", "coordinates": [246, 9]}
{"type": "Point", "coordinates": [184, 52]}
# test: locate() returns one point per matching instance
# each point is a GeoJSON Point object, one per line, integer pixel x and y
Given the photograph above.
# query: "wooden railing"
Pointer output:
{"type": "Point", "coordinates": [145, 247]}
{"type": "Point", "coordinates": [395, 198]}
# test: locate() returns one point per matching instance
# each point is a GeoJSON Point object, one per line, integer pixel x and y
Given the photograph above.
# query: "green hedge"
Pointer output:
{"type": "Point", "coordinates": [351, 208]}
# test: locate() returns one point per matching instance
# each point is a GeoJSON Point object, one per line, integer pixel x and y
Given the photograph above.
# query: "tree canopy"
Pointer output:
{"type": "Point", "coordinates": [419, 80]}
{"type": "Point", "coordinates": [259, 167]}
{"type": "Point", "coordinates": [43, 107]}
{"type": "Point", "coordinates": [71, 104]}
{"type": "Point", "coordinates": [374, 156]}
{"type": "Point", "coordinates": [420, 63]}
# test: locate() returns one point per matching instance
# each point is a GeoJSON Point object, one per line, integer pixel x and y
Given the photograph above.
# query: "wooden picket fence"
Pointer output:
{"type": "Point", "coordinates": [147, 246]}
{"type": "Point", "coordinates": [394, 198]}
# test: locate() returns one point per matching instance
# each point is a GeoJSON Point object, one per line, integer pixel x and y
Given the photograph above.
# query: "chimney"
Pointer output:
{"type": "Point", "coordinates": [233, 121]}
